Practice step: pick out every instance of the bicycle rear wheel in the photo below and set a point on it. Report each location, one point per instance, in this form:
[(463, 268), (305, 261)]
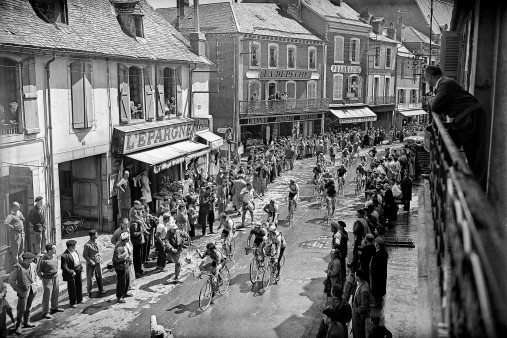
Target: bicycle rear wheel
[(205, 296), (232, 249), (274, 271), (225, 278), (266, 276), (254, 269)]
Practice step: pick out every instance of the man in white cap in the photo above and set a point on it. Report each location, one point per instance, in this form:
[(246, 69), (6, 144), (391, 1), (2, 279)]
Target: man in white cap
[(174, 246), (122, 259), (15, 223)]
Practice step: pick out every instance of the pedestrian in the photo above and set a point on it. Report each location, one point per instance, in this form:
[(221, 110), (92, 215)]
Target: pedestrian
[(160, 242), (37, 222), (91, 254), (71, 273), (206, 210), (14, 222), (343, 247), (238, 186), (124, 227), (378, 273), (147, 230), (334, 329), (174, 247), (360, 229), (468, 126), (23, 279), (247, 202), (343, 312), (367, 250), (47, 270), (360, 305), (137, 238), (5, 310), (124, 194), (192, 216), (122, 259), (377, 330), (406, 190), (334, 270)]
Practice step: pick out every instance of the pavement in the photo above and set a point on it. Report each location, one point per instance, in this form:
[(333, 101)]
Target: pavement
[(291, 308)]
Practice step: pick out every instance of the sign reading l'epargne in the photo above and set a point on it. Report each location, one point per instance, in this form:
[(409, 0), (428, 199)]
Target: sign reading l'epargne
[(285, 74)]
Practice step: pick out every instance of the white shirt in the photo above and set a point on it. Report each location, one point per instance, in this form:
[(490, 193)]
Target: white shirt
[(247, 195), (161, 231), (75, 257)]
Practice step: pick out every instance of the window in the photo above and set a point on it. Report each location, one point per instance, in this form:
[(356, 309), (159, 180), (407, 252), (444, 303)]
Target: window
[(254, 88), (169, 83), (312, 58), (338, 49), (131, 23), (290, 89), (54, 11), (387, 88), (255, 48), (376, 59), (136, 93), (271, 90), (273, 56), (413, 96), (354, 87), (337, 86), (354, 50), (401, 95), (388, 57), (311, 90), (138, 26), (81, 94), (291, 57)]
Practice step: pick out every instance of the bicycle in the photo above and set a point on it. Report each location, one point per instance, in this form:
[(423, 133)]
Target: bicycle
[(256, 265), (325, 219), (271, 272), (341, 186), (212, 286), (290, 216), (359, 185), (229, 248)]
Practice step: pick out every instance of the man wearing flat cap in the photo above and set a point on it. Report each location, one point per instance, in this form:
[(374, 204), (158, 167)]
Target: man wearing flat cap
[(91, 254), (122, 260), (334, 329), (23, 279), (71, 273), (15, 223), (37, 221)]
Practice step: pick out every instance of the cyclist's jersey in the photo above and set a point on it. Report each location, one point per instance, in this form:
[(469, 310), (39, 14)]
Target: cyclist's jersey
[(341, 171), (293, 190), (259, 233), (360, 170), (278, 240), (215, 255), (271, 209), (345, 152), (229, 225)]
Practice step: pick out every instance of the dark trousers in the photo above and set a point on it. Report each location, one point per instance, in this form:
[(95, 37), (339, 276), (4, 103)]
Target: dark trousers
[(192, 230), (75, 288), (123, 283), (24, 306), (138, 258), (146, 248), (161, 255)]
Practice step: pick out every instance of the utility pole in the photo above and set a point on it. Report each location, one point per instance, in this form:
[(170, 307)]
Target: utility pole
[(431, 30)]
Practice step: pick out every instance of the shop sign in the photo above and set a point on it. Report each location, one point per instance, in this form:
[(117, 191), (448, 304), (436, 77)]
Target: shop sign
[(201, 123), (20, 176), (346, 69), (285, 74), (358, 120), (284, 119), (257, 120), (309, 117)]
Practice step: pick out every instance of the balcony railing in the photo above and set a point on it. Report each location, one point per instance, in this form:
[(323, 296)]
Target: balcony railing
[(9, 129), (270, 107), (470, 244), (410, 105), (381, 100)]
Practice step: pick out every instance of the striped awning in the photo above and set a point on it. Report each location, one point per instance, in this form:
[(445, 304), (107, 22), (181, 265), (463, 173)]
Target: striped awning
[(354, 115)]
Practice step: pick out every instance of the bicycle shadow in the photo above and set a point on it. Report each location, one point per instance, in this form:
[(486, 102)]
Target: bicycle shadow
[(192, 308)]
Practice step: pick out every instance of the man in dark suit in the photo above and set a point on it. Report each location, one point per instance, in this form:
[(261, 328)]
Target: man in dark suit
[(378, 273), (334, 329), (71, 273), (468, 127), (360, 305)]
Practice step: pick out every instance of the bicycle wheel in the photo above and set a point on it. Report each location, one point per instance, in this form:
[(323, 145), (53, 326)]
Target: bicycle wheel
[(274, 271), (254, 269), (232, 249), (205, 296), (282, 263), (266, 277), (225, 279)]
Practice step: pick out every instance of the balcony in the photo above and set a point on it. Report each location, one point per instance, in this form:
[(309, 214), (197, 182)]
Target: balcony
[(272, 107), (469, 242), (9, 129), (410, 105), (381, 100)]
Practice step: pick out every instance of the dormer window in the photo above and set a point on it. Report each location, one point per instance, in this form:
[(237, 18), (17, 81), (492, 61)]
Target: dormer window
[(54, 11), (130, 17), (138, 24)]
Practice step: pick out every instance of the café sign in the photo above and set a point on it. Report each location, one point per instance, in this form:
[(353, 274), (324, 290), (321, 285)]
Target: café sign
[(346, 69), (285, 74), (128, 140)]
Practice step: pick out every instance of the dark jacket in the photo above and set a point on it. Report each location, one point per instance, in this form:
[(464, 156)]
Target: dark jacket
[(22, 278), (378, 272), (367, 253), (361, 301), (36, 219), (451, 99), (68, 265), (406, 189), (335, 330), (334, 272), (380, 332), (136, 234)]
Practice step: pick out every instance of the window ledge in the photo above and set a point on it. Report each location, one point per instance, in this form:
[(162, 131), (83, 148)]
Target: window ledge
[(11, 138)]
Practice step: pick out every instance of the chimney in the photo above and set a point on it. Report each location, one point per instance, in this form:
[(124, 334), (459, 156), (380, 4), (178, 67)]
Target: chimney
[(391, 31), (365, 16), (377, 24), (180, 5), (197, 39), (336, 2)]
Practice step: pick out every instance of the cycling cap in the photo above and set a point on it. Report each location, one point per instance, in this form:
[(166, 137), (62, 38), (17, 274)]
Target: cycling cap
[(210, 246), (272, 228)]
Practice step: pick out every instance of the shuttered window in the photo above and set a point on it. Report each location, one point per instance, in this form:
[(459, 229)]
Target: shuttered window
[(311, 90), (337, 86), (124, 93), (449, 54), (149, 90), (81, 94), (354, 50), (338, 48), (30, 109)]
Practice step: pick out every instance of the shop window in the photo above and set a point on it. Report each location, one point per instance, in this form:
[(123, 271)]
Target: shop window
[(338, 48), (312, 58), (337, 86), (81, 94), (353, 87), (273, 55), (354, 50), (388, 57), (54, 11), (136, 93), (291, 57), (311, 90), (255, 49)]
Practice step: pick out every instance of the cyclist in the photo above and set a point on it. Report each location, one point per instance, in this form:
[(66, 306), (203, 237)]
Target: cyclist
[(276, 245), (272, 210), (293, 193), (260, 234), (228, 232), (217, 262), (330, 189), (345, 155), (360, 173), (317, 171), (341, 172)]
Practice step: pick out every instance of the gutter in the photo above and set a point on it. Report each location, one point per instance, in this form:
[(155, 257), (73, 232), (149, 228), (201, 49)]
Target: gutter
[(48, 135)]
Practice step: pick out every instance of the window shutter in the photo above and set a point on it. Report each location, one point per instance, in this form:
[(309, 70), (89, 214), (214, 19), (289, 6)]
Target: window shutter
[(88, 92), (351, 49), (77, 95), (31, 114), (338, 48), (124, 93), (148, 93), (449, 54), (160, 92), (358, 50), (179, 96), (337, 86)]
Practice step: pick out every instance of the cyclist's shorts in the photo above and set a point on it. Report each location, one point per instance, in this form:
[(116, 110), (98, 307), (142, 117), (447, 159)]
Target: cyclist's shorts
[(258, 241), (292, 195), (225, 234)]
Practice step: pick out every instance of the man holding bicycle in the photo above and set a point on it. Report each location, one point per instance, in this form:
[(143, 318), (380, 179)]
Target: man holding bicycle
[(228, 232), (272, 210)]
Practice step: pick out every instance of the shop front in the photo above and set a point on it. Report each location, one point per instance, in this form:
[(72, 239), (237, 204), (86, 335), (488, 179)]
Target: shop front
[(163, 151), (407, 117), (350, 118)]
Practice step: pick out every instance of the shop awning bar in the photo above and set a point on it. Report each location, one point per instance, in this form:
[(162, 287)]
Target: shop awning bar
[(355, 115), (415, 112), (213, 140)]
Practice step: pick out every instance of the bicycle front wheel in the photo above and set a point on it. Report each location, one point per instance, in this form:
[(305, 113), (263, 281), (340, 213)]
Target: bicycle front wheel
[(266, 277), (205, 296), (232, 249), (225, 278), (274, 271), (254, 269)]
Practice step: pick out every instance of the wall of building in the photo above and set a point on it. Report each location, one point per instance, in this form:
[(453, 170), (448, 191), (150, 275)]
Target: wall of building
[(201, 83)]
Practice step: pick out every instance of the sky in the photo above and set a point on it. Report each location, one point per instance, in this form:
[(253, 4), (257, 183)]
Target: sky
[(172, 3)]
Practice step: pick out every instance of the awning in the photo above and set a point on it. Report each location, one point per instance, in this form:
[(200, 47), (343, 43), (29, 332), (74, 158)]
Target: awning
[(213, 140), (415, 112), (164, 157), (354, 115)]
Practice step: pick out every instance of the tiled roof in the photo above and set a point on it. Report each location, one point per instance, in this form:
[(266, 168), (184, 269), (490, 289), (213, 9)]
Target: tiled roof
[(404, 51), (380, 37), (410, 34), (93, 28), (442, 13), (331, 12)]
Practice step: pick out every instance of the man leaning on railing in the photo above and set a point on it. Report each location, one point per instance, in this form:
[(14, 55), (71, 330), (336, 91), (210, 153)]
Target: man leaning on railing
[(468, 120)]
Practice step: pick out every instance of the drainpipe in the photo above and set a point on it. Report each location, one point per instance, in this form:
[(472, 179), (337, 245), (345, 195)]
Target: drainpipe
[(48, 135), (191, 91)]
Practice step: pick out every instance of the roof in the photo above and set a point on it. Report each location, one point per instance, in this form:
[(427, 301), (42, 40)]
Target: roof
[(248, 18), (442, 13), (93, 28), (331, 12), (410, 34), (404, 51), (380, 37)]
